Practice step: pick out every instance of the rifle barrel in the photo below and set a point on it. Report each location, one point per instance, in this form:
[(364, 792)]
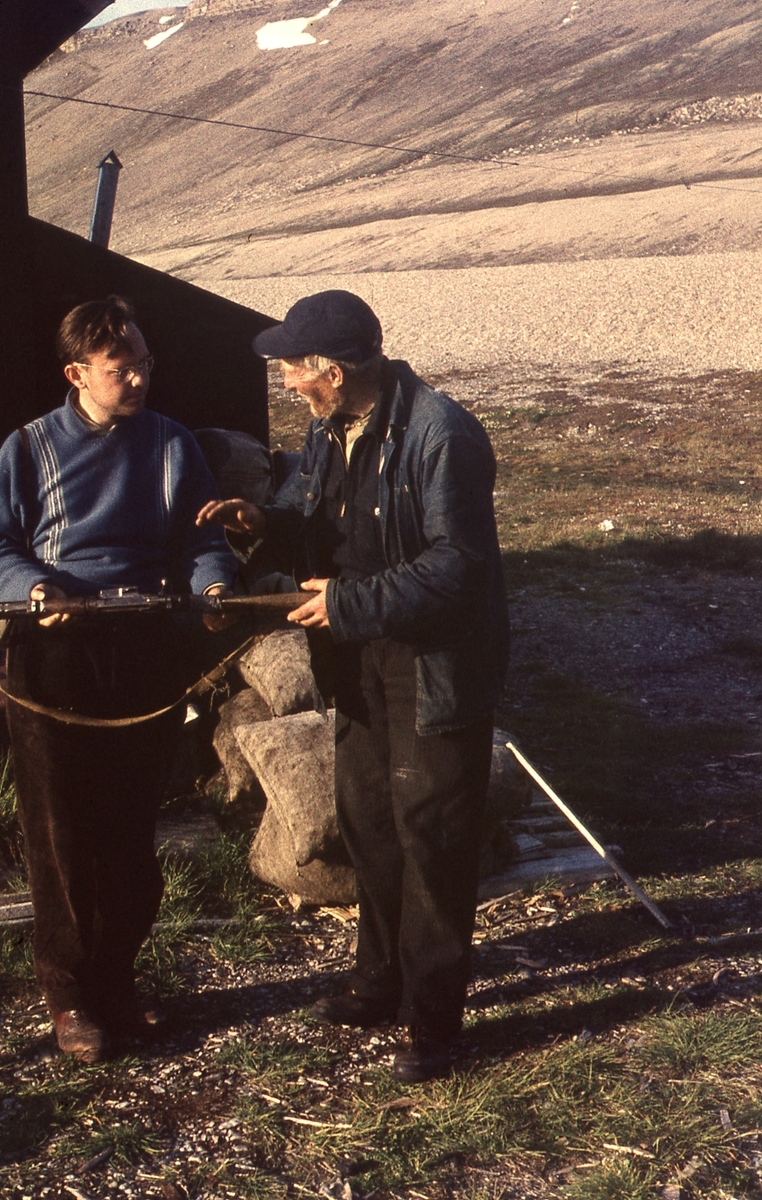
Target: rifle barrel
[(136, 602)]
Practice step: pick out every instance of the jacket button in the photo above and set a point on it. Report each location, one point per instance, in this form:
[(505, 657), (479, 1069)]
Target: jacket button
[(376, 512), (310, 495)]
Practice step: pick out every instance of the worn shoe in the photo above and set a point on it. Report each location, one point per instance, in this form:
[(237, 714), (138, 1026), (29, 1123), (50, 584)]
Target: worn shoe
[(350, 1008), (81, 1036), (424, 1057)]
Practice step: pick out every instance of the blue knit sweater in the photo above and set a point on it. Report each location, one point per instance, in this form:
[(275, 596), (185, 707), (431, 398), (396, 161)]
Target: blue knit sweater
[(94, 510)]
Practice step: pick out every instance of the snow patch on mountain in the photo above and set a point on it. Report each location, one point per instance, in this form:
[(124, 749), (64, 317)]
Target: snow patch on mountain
[(152, 42), (281, 35)]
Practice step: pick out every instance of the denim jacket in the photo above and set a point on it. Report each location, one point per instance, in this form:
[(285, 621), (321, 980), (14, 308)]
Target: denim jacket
[(443, 589)]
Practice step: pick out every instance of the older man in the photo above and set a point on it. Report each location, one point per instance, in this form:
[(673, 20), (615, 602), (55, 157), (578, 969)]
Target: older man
[(99, 493), (390, 519)]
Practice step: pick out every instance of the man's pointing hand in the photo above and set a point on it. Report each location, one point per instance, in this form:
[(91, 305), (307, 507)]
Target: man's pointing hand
[(239, 516)]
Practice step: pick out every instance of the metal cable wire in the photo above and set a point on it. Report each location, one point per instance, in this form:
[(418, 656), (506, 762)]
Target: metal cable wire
[(416, 151)]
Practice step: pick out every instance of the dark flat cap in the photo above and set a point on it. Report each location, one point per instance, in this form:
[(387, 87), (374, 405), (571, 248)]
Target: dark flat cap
[(334, 324)]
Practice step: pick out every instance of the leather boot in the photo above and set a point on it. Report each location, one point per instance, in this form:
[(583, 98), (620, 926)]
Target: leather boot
[(81, 1036), (424, 1057), (362, 1012)]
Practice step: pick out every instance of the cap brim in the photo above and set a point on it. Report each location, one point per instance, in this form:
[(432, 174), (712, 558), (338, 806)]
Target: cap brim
[(273, 343)]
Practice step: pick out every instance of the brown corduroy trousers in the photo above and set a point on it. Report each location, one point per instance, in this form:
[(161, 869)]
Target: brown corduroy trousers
[(88, 797)]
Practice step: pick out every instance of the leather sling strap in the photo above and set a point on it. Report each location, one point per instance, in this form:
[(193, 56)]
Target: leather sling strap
[(207, 683)]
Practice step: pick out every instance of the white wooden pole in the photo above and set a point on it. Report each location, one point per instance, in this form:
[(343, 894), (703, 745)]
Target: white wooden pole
[(626, 878)]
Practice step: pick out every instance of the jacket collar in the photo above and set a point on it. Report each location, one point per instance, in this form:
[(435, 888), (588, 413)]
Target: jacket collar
[(402, 401)]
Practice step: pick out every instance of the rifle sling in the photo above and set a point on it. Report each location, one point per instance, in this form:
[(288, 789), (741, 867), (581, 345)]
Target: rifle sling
[(208, 682)]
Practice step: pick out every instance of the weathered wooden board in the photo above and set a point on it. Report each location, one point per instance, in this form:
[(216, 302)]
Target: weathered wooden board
[(548, 848), (16, 911)]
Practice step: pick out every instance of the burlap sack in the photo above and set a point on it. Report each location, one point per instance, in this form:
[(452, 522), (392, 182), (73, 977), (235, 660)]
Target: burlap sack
[(298, 846), (241, 465), (279, 668)]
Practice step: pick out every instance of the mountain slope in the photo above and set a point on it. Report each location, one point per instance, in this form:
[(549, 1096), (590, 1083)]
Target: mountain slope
[(579, 103)]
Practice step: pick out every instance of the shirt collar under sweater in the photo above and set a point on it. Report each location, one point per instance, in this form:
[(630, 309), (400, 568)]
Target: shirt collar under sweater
[(72, 400)]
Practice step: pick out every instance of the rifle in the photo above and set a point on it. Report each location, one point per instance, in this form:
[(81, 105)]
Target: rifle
[(130, 600)]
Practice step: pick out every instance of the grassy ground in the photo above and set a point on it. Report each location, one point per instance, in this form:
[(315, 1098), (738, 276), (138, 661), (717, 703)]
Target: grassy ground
[(603, 1059)]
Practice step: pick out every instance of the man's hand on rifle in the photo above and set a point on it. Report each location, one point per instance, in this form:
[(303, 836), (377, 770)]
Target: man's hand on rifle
[(313, 614), (236, 515), (50, 591)]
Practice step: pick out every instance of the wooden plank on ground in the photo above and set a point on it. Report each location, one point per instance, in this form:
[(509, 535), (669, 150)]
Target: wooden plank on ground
[(580, 865), (16, 911), (547, 847)]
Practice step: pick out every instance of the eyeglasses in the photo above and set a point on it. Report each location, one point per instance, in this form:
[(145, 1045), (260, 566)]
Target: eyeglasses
[(125, 374)]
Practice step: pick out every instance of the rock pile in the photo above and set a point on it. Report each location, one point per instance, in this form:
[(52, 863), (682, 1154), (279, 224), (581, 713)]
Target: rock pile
[(277, 752), (716, 108)]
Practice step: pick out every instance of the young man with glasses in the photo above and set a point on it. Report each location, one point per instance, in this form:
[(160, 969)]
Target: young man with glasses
[(100, 493)]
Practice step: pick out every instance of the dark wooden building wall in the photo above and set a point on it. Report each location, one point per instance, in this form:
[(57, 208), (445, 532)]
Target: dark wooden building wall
[(206, 372)]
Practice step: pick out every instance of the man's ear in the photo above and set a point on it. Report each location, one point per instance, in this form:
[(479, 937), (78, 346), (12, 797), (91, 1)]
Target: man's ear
[(336, 375), (75, 375)]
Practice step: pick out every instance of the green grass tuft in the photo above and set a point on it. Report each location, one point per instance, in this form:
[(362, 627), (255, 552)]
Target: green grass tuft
[(617, 1181), (128, 1141)]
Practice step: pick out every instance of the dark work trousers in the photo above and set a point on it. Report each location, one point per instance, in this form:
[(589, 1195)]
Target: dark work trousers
[(410, 810), (88, 797)]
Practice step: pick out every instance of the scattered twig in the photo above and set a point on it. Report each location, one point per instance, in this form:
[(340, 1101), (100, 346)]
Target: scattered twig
[(401, 1102), (75, 1192), (734, 935), (628, 1150), (585, 1166), (268, 1098), (318, 1124), (496, 900), (98, 1161), (341, 914)]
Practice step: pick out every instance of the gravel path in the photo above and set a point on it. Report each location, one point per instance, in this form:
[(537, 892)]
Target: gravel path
[(681, 315)]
